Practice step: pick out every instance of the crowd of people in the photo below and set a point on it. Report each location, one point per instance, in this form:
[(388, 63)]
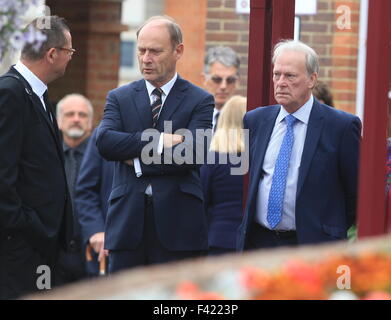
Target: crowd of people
[(73, 198)]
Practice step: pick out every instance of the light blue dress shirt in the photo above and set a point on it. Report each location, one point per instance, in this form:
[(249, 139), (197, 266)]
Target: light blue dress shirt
[(288, 221)]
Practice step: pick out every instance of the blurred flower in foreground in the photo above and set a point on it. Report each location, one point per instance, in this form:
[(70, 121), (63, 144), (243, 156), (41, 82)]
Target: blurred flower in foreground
[(12, 32)]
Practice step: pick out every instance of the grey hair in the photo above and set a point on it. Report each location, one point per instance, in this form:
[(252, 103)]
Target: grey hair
[(311, 58), (173, 29), (60, 104), (225, 55), (55, 37)]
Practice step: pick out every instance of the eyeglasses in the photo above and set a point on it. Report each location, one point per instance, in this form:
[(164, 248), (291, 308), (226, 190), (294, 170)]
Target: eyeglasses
[(70, 50), (229, 80)]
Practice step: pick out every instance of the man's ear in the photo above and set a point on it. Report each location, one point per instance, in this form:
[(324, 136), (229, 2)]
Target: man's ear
[(179, 50), (203, 77), (313, 80), (51, 55)]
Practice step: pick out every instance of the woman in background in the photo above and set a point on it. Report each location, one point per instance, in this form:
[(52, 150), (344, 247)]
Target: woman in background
[(223, 191)]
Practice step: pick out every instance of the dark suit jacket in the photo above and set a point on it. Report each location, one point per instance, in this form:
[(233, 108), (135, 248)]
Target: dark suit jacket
[(34, 198), (177, 194), (223, 193), (92, 190), (327, 183)]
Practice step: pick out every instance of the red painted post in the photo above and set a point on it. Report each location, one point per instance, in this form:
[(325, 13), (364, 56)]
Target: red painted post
[(258, 77), (283, 13), (371, 196)]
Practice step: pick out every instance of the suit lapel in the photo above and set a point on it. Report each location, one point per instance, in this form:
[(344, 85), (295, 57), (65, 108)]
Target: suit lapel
[(172, 101), (143, 104), (37, 104), (265, 130), (315, 126)]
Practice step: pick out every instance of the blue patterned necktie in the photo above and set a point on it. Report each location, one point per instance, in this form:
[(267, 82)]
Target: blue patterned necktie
[(277, 190)]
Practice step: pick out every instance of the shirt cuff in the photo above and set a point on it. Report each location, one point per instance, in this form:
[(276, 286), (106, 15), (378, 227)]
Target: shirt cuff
[(137, 167)]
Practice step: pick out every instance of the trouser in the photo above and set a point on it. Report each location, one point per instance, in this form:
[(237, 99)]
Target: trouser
[(150, 250)]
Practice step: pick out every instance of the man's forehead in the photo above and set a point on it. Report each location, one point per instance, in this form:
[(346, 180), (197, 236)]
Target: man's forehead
[(218, 68)]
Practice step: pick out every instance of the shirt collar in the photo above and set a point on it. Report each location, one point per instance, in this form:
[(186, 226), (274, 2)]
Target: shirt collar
[(302, 114), (79, 148), (166, 88), (36, 84)]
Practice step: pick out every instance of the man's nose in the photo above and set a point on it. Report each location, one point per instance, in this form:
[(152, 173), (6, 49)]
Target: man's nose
[(223, 84), (281, 82), (146, 57)]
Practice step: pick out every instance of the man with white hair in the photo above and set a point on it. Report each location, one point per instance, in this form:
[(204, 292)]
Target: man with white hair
[(303, 160), (74, 117)]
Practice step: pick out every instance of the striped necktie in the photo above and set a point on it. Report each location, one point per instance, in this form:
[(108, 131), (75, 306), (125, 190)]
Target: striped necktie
[(156, 106)]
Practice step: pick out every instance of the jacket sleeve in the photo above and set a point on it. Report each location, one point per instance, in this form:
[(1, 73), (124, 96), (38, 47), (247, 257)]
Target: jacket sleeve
[(349, 159), (113, 143), (191, 153), (88, 200)]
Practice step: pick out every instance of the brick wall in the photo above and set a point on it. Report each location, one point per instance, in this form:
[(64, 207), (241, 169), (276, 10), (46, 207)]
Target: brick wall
[(95, 28), (225, 27), (337, 49), (193, 30)]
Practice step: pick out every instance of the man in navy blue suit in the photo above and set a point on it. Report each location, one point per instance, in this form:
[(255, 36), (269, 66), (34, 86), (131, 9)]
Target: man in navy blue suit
[(303, 160), (155, 209)]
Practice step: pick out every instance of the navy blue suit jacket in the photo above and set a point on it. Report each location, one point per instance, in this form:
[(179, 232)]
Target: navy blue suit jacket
[(327, 183), (223, 194), (92, 190), (177, 195)]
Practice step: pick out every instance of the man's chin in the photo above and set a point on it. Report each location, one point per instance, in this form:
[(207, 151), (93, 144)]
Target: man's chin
[(75, 133)]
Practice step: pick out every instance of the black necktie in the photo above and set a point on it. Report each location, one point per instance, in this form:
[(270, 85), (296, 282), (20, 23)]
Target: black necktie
[(216, 120), (47, 105), (156, 106)]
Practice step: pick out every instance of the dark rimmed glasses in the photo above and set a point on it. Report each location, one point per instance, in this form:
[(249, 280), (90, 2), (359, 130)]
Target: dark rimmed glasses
[(229, 80)]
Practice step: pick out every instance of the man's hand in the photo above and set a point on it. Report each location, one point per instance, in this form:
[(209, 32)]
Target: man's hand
[(97, 241), (129, 162), (170, 140)]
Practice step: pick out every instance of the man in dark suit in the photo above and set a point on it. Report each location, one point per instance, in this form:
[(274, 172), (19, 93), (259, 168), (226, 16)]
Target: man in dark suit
[(74, 117), (303, 160), (156, 210), (35, 209)]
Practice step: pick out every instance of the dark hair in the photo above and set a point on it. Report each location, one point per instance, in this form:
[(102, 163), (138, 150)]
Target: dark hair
[(54, 33), (173, 29), (321, 91)]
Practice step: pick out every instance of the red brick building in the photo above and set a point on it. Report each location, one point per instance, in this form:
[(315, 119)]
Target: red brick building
[(96, 27)]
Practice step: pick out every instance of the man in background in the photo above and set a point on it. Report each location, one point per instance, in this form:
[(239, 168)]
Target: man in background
[(74, 116), (221, 76)]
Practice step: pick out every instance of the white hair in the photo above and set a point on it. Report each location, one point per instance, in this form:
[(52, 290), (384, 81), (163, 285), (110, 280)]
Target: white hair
[(60, 104), (311, 58)]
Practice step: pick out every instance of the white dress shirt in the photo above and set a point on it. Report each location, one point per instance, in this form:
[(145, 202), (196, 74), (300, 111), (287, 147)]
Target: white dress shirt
[(165, 91), (36, 84), (288, 221)]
